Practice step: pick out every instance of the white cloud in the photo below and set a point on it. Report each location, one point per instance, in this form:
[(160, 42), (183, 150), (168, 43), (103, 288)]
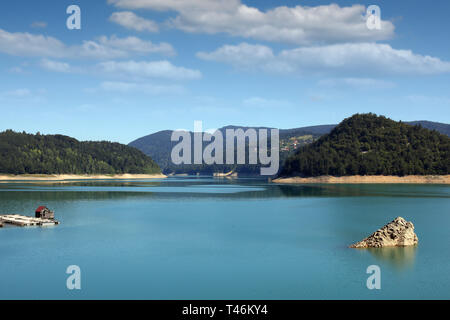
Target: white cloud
[(265, 103), (23, 95), (351, 59), (27, 44), (428, 100), (131, 70), (18, 93), (243, 55), (56, 66), (146, 88), (17, 70), (177, 5), (136, 45), (154, 69), (365, 57), (357, 83), (297, 25), (248, 57), (130, 20)]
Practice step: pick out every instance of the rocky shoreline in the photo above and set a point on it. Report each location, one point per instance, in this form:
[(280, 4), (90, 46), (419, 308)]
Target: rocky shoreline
[(398, 233), (444, 179), (65, 177)]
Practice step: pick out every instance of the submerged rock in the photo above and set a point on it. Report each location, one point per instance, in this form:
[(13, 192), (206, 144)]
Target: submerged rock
[(398, 233)]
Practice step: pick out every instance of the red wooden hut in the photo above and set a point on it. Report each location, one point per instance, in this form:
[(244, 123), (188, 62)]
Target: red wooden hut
[(44, 213)]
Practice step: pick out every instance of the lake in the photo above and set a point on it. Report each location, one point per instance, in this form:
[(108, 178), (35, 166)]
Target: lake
[(205, 238)]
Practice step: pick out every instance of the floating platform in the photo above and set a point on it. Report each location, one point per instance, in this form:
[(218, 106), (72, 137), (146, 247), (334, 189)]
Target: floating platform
[(24, 221), (230, 174)]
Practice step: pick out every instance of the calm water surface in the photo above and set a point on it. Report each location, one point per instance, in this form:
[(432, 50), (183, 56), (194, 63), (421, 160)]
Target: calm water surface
[(204, 238)]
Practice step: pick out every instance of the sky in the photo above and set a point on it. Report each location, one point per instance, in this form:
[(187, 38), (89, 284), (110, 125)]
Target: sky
[(140, 66)]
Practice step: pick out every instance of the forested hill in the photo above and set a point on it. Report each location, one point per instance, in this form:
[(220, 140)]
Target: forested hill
[(22, 153), (366, 144), (159, 146)]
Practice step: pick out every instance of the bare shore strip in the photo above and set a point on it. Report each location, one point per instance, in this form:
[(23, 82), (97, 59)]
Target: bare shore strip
[(66, 177), (444, 179)]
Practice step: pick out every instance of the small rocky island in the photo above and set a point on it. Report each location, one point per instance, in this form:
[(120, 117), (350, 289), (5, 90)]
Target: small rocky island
[(398, 233)]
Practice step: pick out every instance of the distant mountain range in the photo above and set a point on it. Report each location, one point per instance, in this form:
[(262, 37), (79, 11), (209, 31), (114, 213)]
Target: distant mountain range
[(439, 127), (364, 144), (159, 146)]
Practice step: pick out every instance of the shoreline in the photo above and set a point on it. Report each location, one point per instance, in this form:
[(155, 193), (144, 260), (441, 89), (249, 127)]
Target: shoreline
[(66, 177), (444, 179)]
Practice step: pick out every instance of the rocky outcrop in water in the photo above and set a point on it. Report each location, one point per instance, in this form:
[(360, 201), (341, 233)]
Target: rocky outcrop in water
[(398, 233)]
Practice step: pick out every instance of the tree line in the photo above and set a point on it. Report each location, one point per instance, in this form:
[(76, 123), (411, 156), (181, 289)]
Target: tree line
[(22, 153), (367, 144)]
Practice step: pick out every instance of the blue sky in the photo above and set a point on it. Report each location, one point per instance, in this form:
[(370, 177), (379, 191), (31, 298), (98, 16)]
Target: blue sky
[(140, 66)]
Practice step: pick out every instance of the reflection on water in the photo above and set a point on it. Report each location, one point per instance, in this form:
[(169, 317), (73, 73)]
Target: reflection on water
[(205, 238), (398, 257)]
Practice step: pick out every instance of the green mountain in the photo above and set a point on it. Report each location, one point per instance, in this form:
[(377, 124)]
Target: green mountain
[(366, 144), (439, 127), (22, 153), (158, 146)]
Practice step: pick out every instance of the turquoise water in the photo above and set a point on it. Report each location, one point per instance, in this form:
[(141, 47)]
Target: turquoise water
[(204, 238)]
